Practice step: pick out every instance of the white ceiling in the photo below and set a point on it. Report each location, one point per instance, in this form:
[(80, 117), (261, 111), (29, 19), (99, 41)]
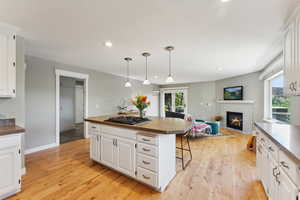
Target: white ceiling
[(207, 34)]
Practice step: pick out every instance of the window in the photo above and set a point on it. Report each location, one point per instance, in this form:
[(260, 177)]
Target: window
[(278, 105)]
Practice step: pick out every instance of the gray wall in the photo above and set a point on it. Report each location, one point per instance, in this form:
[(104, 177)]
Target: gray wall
[(253, 90), (202, 96), (15, 107), (105, 90)]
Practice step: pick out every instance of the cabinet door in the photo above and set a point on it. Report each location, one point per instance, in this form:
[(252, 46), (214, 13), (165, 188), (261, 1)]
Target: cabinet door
[(273, 182), (126, 156), (3, 64), (107, 150), (265, 170), (10, 166), (287, 190), (95, 147), (7, 65)]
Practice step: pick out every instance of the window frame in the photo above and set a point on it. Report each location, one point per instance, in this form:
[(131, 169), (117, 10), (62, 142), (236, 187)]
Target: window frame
[(268, 94)]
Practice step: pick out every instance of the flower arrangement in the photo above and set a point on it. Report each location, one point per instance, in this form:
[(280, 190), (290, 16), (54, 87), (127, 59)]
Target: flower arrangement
[(141, 102)]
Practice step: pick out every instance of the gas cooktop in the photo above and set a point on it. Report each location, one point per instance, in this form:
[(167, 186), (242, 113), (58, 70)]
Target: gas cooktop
[(128, 120)]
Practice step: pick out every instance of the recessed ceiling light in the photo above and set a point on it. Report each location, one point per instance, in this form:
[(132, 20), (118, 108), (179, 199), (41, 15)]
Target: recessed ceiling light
[(224, 1), (108, 43)]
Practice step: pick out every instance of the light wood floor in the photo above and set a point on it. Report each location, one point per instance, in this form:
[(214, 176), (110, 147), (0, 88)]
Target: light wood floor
[(222, 168)]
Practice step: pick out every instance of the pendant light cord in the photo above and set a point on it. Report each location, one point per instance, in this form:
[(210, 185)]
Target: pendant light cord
[(127, 71), (146, 67), (169, 63)]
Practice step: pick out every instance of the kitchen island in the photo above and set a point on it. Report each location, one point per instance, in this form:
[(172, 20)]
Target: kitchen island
[(145, 151)]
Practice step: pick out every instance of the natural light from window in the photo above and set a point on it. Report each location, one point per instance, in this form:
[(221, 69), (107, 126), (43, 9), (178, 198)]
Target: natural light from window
[(280, 103)]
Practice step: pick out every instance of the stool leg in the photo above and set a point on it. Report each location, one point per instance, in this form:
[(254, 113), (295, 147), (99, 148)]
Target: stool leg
[(182, 161), (188, 142)]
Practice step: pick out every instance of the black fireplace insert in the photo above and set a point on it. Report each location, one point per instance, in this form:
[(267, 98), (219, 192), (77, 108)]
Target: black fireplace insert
[(235, 120)]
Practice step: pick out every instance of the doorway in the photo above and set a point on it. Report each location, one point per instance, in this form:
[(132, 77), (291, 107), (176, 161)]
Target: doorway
[(173, 101), (71, 106), (71, 109)]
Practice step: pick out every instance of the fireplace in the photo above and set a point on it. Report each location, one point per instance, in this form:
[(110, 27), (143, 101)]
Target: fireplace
[(235, 120)]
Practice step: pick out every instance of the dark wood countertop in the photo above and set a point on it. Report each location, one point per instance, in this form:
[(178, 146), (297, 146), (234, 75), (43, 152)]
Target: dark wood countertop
[(7, 130), (286, 136), (156, 125)]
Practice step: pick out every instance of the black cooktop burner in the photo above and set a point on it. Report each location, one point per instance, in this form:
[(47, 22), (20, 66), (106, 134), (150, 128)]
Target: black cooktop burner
[(128, 120)]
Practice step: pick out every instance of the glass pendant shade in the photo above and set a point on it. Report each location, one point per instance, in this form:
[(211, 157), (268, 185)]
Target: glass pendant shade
[(169, 79), (127, 84), (146, 82)]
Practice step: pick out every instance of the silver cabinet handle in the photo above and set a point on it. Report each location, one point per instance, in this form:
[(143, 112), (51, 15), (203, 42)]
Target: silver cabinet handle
[(146, 163), (274, 171), (146, 177), (276, 177), (144, 149), (116, 142), (271, 149), (284, 164), (146, 140), (94, 127)]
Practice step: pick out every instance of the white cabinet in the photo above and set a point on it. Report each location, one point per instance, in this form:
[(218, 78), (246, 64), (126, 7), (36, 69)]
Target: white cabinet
[(119, 149), (291, 51), (126, 156), (276, 171), (286, 188), (10, 165), (95, 145), (108, 150), (7, 64)]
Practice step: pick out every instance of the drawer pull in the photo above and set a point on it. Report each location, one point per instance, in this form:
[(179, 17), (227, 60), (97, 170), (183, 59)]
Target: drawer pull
[(94, 127), (146, 140), (274, 171), (271, 149), (146, 177), (146, 163), (262, 139), (144, 149), (284, 165)]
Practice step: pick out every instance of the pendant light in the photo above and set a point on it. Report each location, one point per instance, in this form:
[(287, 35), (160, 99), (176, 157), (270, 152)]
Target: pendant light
[(170, 78), (146, 55), (127, 84)]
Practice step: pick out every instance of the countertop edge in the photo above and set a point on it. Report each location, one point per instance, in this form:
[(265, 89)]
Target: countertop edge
[(14, 130), (282, 147), (177, 132)]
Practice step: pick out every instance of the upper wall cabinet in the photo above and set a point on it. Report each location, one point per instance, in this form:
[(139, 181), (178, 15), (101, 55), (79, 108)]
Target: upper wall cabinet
[(292, 56), (7, 63)]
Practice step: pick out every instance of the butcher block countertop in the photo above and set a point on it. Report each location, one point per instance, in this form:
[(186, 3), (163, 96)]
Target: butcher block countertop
[(156, 124), (286, 136), (6, 130)]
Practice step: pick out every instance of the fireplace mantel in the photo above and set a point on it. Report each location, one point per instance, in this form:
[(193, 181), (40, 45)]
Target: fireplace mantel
[(236, 101)]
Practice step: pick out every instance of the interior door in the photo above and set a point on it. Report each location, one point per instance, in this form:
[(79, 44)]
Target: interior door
[(79, 104), (107, 150), (126, 156), (10, 166)]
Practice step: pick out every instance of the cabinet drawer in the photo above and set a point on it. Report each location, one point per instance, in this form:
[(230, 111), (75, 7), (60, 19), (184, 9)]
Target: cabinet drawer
[(290, 167), (120, 132), (147, 162), (93, 127), (147, 177), (147, 149), (147, 138)]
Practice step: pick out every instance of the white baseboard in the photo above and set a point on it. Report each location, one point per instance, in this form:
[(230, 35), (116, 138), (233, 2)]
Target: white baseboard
[(23, 171), (40, 148)]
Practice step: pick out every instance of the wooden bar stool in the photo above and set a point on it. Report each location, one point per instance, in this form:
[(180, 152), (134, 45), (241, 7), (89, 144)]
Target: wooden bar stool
[(186, 135)]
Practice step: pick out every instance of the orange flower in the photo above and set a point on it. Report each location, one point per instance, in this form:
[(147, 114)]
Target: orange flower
[(144, 98)]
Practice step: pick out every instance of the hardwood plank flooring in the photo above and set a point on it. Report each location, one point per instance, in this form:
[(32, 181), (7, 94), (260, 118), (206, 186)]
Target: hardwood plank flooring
[(222, 169)]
